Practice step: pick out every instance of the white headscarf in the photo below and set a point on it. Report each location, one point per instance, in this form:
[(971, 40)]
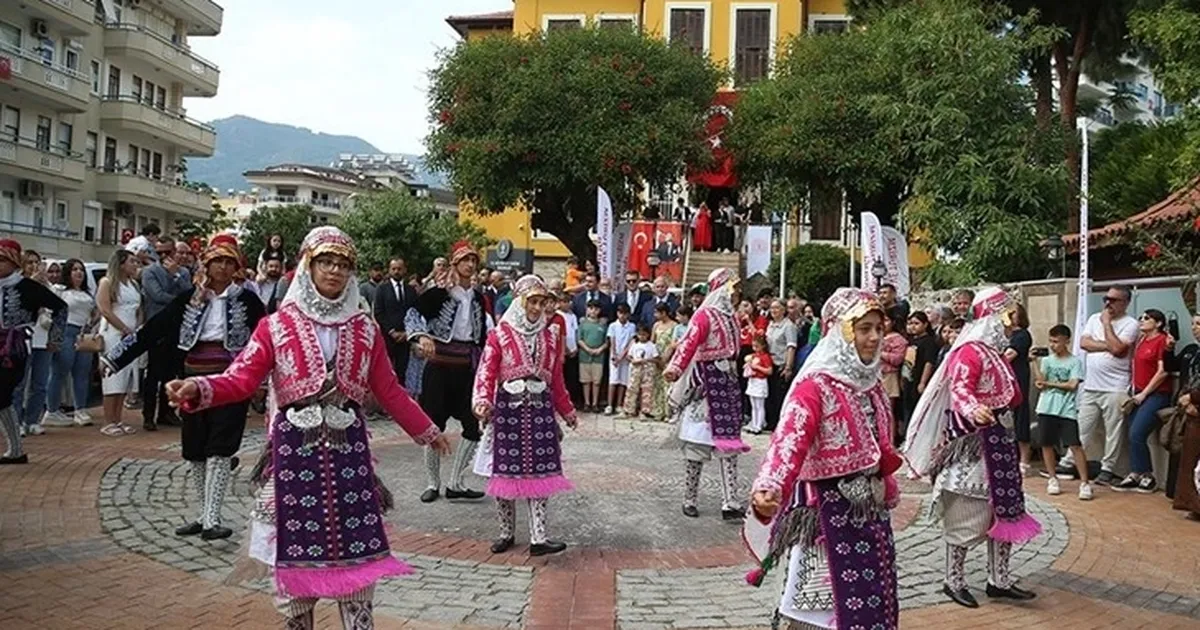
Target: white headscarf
[(927, 429), (515, 317), (721, 284), (835, 354), (304, 294)]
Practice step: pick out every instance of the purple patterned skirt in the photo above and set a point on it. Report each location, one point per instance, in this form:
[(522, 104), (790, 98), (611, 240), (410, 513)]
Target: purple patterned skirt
[(330, 536), (526, 457)]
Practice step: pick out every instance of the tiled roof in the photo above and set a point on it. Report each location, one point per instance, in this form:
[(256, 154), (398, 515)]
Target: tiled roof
[(1179, 206), (460, 23)]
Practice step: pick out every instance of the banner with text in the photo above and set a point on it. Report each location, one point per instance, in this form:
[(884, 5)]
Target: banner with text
[(872, 249), (604, 234), (622, 240), (757, 249), (895, 256)]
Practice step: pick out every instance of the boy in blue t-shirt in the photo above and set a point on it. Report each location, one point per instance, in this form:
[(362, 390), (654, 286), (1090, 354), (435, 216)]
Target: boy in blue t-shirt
[(1058, 378)]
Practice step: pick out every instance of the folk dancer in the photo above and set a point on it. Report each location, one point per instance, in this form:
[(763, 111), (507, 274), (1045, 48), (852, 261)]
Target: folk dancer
[(204, 328), (317, 521), (961, 435), (448, 324), (822, 497), (21, 301), (519, 389), (706, 394)]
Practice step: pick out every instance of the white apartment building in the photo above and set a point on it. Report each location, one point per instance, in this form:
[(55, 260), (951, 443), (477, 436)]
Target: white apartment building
[(329, 191), (1141, 99), (93, 130)]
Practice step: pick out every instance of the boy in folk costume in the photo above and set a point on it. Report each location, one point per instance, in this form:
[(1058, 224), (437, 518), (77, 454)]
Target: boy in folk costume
[(317, 521), (706, 392), (449, 327), (519, 389), (21, 299), (961, 435), (822, 497), (209, 324)]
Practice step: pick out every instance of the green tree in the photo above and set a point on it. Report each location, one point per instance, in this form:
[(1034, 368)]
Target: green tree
[(216, 222), (544, 119), (1169, 32), (920, 115), (291, 222), (814, 271), (1134, 167), (394, 223)]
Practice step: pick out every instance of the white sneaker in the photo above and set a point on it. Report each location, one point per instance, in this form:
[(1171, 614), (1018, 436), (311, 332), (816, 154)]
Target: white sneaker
[(1085, 492), (83, 419), (1053, 488), (22, 430), (1024, 470), (608, 411), (56, 419), (36, 429)]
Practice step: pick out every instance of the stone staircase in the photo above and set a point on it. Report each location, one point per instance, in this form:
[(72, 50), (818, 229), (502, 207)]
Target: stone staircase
[(700, 264)]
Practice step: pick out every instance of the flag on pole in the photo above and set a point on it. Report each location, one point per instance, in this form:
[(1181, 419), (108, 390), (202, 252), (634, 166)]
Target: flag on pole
[(604, 232)]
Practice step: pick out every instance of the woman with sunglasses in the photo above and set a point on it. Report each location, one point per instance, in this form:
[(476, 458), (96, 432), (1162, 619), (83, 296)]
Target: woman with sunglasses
[(1151, 392)]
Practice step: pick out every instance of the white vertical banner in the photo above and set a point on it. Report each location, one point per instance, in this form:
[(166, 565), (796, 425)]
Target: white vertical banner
[(621, 243), (1081, 305), (757, 249), (604, 234), (872, 248), (895, 256)]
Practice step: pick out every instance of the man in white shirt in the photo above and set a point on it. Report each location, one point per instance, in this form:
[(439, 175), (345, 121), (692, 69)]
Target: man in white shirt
[(1108, 340)]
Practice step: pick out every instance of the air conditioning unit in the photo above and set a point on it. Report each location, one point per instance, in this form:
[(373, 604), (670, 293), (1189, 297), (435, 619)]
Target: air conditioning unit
[(31, 189), (124, 209), (40, 29)]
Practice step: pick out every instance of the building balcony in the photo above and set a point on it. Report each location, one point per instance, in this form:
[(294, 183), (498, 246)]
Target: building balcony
[(327, 206), (138, 189), (72, 17), (129, 113), (24, 159), (203, 17), (199, 76), (53, 86)]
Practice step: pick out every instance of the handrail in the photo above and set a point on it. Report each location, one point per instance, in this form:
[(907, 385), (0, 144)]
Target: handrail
[(126, 170), (31, 143), (125, 26), (30, 55), (36, 229), (291, 199), (129, 98)]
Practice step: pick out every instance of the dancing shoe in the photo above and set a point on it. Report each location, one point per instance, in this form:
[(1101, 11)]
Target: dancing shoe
[(234, 462), (216, 532), (500, 545), (733, 514), (546, 548), (430, 495), (1012, 592), (191, 529), (20, 459), (463, 493), (690, 511), (962, 597)]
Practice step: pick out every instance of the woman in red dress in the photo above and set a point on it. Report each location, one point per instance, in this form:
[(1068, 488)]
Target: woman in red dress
[(703, 232)]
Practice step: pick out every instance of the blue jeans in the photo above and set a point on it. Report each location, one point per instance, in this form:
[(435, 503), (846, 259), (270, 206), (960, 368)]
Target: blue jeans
[(1142, 424), (30, 400), (69, 363)]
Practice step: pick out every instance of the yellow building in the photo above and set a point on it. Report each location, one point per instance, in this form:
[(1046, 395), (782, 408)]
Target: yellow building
[(744, 35)]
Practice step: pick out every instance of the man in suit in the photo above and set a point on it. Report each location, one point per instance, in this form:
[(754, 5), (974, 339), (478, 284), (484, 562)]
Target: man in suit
[(393, 298), (662, 295), (633, 296), (591, 292), (668, 252)]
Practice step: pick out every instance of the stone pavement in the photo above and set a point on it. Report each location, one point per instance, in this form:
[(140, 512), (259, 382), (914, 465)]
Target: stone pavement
[(85, 542)]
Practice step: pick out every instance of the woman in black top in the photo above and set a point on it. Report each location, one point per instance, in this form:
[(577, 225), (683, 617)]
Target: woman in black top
[(923, 347), (1017, 354)]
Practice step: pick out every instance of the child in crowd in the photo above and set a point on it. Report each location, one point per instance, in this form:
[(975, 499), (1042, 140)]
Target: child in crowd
[(1057, 377), (758, 368), (643, 371), (683, 317), (949, 336), (593, 344), (620, 338)]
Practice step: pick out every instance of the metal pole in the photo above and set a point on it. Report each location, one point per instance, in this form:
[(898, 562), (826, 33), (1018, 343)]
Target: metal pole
[(783, 238)]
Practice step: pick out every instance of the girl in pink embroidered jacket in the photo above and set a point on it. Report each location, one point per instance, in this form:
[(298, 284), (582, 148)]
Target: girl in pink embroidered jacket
[(318, 520), (822, 497), (518, 391)]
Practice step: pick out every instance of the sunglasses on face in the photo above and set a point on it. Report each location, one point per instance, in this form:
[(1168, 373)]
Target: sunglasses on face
[(1110, 300)]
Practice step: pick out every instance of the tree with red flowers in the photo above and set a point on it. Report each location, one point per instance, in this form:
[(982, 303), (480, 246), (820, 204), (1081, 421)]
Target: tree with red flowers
[(543, 120), (1170, 247)]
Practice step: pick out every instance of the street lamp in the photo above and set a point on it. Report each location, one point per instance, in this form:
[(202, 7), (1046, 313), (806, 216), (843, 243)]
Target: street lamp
[(878, 271), (1056, 252)]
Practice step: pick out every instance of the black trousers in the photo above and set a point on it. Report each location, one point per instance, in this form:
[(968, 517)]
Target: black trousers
[(445, 393), (12, 373), (162, 367), (399, 354), (571, 376), (215, 432), (776, 390)]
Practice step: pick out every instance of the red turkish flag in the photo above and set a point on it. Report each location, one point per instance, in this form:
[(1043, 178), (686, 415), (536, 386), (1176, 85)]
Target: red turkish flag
[(5, 68)]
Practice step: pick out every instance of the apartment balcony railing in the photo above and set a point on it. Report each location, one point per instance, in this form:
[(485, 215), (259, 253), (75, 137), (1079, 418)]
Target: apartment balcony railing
[(290, 200), (29, 159), (55, 86), (198, 74), (115, 184), (38, 229), (203, 17), (139, 115), (72, 17)]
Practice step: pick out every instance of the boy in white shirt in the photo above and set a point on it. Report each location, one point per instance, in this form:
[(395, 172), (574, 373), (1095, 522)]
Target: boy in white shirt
[(620, 338), (643, 373)]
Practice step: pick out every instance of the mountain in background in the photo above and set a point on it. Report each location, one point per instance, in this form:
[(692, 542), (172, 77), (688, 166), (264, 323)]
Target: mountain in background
[(245, 144)]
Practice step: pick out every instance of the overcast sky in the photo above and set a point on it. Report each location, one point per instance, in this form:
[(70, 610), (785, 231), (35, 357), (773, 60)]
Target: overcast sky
[(353, 67)]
